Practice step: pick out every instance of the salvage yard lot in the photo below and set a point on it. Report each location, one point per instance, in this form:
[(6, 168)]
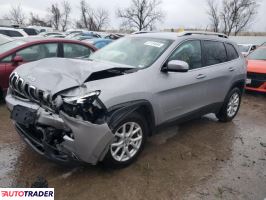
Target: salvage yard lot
[(201, 159)]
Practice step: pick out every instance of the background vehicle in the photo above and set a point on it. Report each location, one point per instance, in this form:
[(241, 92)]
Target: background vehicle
[(83, 35), (17, 52), (256, 76), (4, 39), (12, 32), (104, 108), (52, 34), (30, 31), (246, 49), (99, 42)]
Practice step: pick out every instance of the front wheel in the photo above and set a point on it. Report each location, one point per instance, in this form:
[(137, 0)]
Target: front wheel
[(231, 106), (130, 136)]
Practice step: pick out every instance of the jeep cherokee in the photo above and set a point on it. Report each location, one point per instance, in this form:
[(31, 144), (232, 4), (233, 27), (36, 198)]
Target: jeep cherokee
[(102, 109)]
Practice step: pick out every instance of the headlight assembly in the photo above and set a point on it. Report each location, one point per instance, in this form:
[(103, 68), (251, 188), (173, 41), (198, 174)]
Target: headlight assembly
[(89, 107)]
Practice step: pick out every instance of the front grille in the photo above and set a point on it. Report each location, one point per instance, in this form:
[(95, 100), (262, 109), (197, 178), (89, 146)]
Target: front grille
[(257, 79), (25, 90), (256, 76)]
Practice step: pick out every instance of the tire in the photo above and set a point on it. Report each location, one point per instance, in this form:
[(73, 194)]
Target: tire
[(230, 106), (123, 142)]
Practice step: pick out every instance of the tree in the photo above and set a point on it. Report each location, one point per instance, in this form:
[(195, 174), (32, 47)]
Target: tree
[(93, 20), (55, 15), (16, 15), (65, 15), (213, 14), (234, 16), (142, 14), (37, 21)]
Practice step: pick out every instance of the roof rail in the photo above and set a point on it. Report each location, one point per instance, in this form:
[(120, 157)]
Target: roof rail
[(184, 33)]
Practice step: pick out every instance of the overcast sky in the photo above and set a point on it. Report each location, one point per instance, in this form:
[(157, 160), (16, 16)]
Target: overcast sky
[(179, 13)]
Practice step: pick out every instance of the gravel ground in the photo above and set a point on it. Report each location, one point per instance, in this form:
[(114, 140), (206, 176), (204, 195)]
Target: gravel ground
[(201, 159)]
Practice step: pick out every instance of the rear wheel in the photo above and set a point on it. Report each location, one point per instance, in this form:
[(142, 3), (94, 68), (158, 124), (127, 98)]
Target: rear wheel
[(231, 106), (130, 136)]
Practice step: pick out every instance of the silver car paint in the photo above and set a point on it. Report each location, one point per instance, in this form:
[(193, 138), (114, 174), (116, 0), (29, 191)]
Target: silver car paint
[(170, 94)]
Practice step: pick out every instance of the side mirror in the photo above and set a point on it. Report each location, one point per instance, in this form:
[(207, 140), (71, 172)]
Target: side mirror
[(17, 59), (175, 66)]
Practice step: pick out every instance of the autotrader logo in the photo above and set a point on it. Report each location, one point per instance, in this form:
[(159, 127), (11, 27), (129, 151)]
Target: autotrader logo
[(27, 193)]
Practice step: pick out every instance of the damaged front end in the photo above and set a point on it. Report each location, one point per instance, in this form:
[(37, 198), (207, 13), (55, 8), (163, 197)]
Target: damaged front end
[(62, 128)]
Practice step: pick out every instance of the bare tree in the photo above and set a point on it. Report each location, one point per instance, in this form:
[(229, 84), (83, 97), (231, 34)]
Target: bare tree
[(37, 21), (101, 18), (234, 16), (142, 14), (65, 15), (55, 15), (213, 13), (16, 15), (91, 19)]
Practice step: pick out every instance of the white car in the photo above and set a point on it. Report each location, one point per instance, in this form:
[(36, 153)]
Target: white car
[(13, 32), (246, 49), (4, 39)]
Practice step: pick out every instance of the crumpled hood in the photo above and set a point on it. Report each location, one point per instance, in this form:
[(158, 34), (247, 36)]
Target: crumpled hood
[(57, 74), (257, 66)]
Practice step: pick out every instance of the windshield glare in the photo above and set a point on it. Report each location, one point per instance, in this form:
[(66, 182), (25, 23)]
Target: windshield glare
[(138, 52), (259, 54), (10, 45)]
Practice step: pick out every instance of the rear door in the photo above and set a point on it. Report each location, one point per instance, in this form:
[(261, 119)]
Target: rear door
[(218, 69), (5, 68)]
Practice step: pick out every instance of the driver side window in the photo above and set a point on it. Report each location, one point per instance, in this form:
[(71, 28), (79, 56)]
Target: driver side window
[(189, 52)]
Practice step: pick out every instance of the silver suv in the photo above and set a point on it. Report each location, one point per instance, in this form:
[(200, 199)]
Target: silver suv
[(103, 109)]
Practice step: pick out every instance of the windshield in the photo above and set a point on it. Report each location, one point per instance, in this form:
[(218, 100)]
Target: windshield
[(10, 45), (244, 48), (138, 52), (259, 54)]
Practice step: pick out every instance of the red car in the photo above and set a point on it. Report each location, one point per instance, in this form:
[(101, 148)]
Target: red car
[(256, 76), (17, 52)]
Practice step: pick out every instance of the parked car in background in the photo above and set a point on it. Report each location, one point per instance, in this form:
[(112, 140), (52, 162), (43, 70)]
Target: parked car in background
[(73, 31), (52, 34), (114, 36), (104, 108), (246, 49), (30, 31), (256, 76), (4, 39), (17, 52), (99, 42), (83, 35), (13, 32)]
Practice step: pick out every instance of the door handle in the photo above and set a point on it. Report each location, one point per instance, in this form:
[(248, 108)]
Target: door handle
[(200, 76), (231, 69)]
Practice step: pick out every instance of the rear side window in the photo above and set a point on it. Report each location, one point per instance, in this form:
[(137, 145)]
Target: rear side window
[(231, 52), (76, 51), (14, 33), (214, 52)]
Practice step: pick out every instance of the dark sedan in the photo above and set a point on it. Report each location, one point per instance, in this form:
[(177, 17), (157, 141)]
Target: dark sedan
[(17, 52)]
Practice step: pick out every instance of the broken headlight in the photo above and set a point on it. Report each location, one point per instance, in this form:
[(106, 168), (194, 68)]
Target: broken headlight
[(88, 107)]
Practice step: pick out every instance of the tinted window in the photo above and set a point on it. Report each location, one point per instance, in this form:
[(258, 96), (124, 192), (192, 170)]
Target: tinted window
[(30, 31), (231, 52), (3, 32), (76, 51), (214, 52), (189, 52), (14, 33), (37, 52)]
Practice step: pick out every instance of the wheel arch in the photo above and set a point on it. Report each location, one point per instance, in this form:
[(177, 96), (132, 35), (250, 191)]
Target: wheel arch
[(117, 113)]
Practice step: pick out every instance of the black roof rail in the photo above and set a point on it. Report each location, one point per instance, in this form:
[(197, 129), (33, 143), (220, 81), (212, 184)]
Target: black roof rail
[(184, 33)]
